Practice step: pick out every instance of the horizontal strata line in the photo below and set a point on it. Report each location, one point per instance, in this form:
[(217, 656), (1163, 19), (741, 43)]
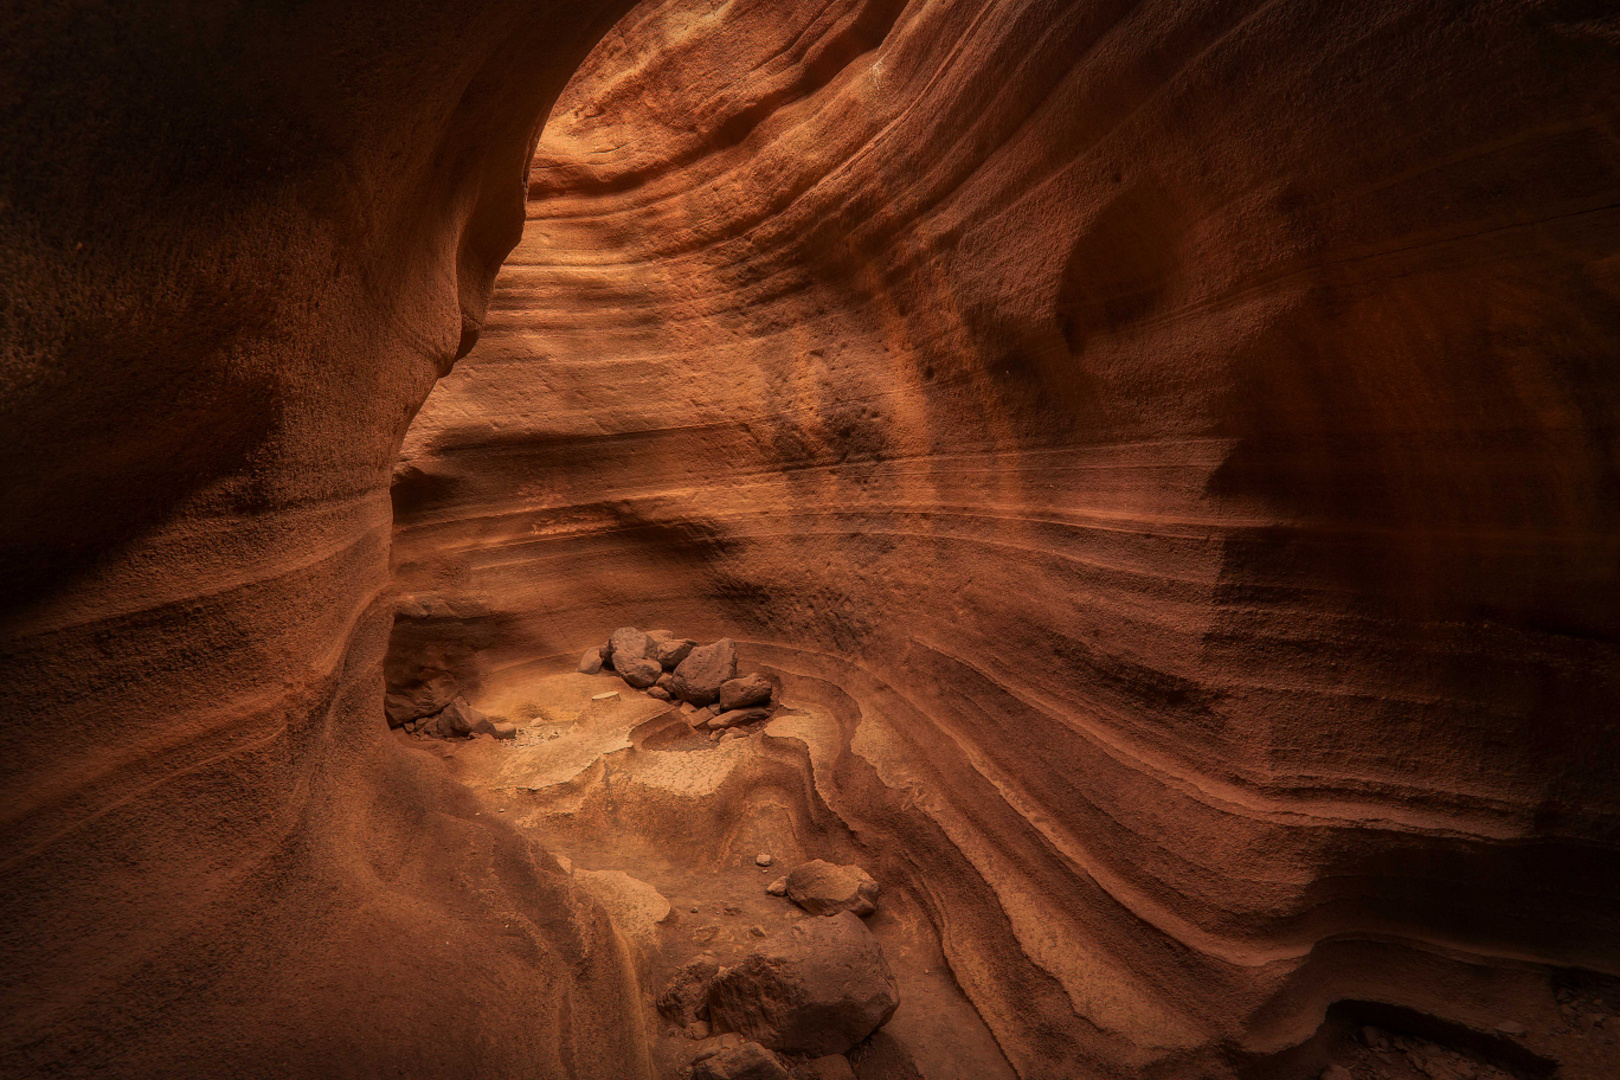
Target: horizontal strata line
[(1247, 801), (225, 720)]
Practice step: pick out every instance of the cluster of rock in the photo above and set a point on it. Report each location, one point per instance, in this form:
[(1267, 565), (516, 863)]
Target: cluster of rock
[(798, 1000), (422, 712), (703, 677)]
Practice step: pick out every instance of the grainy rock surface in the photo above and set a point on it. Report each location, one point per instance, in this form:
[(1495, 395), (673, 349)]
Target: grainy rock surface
[(1179, 436), (238, 244), (750, 1061), (706, 668), (818, 987), (745, 691), (823, 888)]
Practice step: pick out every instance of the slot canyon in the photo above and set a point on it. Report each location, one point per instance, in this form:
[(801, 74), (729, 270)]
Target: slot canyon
[(740, 539)]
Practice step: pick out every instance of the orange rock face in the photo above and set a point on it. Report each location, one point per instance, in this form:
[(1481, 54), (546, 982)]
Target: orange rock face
[(240, 242), (1181, 436)]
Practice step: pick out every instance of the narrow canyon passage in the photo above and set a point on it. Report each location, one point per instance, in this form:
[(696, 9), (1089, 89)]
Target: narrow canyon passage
[(1161, 456)]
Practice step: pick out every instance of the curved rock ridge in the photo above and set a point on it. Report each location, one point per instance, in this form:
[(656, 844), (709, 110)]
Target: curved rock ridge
[(1182, 433), (240, 242)]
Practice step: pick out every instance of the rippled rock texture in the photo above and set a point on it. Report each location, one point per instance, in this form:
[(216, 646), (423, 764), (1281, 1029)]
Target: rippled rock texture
[(240, 242), (1181, 435)]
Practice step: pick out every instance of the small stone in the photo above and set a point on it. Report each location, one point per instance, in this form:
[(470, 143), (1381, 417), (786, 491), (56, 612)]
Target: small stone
[(748, 690), (697, 1029), (591, 662), (687, 708), (734, 733), (777, 887), (505, 731), (698, 677), (611, 695), (750, 1061), (705, 934), (667, 681), (824, 888), (658, 692), (1510, 1027), (757, 930), (763, 859), (639, 673)]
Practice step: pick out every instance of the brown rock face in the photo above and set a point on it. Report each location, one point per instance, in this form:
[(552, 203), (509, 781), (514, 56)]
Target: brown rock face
[(818, 987), (1178, 439), (238, 244)]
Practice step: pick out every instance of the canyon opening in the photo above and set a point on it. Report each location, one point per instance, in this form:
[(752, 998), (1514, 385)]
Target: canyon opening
[(748, 540)]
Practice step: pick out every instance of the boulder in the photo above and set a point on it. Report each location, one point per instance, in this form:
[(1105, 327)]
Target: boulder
[(639, 673), (817, 988), (628, 643), (750, 1061), (591, 662), (698, 678), (745, 691), (685, 1000), (831, 1067), (670, 650), (824, 888), (736, 717)]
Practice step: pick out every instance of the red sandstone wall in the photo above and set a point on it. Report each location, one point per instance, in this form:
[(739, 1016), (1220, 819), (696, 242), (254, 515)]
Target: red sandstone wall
[(1187, 432), (238, 243)]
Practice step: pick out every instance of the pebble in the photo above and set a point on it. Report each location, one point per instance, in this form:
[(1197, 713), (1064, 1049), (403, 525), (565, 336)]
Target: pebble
[(762, 859)]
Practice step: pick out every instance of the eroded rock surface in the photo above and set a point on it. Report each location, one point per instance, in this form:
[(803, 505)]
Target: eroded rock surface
[(1180, 437), (817, 988), (824, 888), (238, 244)]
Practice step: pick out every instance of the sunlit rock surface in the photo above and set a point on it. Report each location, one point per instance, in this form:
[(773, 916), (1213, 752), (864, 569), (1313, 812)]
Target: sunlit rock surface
[(1178, 437)]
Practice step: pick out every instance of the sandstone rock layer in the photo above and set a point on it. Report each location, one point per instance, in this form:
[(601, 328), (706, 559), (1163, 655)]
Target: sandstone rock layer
[(1178, 438)]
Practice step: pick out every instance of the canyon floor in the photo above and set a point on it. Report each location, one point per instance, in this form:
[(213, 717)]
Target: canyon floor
[(665, 826)]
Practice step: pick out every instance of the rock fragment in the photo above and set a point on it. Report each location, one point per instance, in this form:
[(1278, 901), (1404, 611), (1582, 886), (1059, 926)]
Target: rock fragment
[(591, 662), (460, 719), (745, 691), (659, 692), (628, 643), (818, 988), (503, 730), (763, 859), (698, 678), (750, 1061), (685, 1000), (824, 888), (777, 887), (639, 673), (737, 717), (670, 650)]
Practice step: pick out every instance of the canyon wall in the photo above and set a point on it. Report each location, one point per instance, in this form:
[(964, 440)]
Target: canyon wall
[(241, 241), (1182, 434)]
